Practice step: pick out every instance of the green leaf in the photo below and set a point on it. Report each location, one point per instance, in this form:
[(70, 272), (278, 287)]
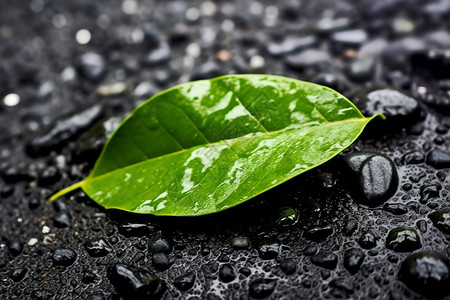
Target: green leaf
[(205, 146)]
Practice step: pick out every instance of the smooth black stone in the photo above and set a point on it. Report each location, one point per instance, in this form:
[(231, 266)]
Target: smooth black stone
[(413, 158), (378, 180), (353, 259), (135, 282), (161, 261), (34, 203), (310, 250), (287, 216), (185, 282), (368, 240), (398, 53), (422, 226), (395, 208), (97, 248), (160, 245), (438, 159), (361, 69), (206, 70), (240, 243), (342, 288), (288, 266), (318, 233), (311, 58), (327, 260), (350, 227), (427, 273), (398, 108), (89, 277), (262, 287), (331, 80), (226, 273), (62, 220), (290, 45), (353, 38), (64, 257), (63, 130), (268, 250), (44, 91), (398, 79), (441, 219), (18, 274), (49, 176), (403, 240), (429, 191), (353, 161), (6, 191), (15, 247), (134, 229), (91, 66), (159, 55)]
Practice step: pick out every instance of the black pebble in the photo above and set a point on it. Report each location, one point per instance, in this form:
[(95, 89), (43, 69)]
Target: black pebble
[(403, 240), (327, 260), (6, 191), (185, 282), (135, 282), (413, 157), (63, 130), (288, 266), (91, 66), (268, 249), (398, 108), (62, 220), (49, 176), (97, 248), (34, 203), (350, 227), (240, 243), (441, 219), (161, 261), (378, 180), (427, 273), (395, 208), (318, 233), (160, 245), (368, 240), (15, 247), (262, 287), (226, 273), (353, 259), (64, 257), (438, 158)]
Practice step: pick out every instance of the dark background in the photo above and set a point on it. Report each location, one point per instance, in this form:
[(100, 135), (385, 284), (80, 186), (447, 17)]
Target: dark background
[(62, 57)]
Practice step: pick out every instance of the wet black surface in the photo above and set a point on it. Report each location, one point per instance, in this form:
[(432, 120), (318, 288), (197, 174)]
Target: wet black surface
[(70, 71)]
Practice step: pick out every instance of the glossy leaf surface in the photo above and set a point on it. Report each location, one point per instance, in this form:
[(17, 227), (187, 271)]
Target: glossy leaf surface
[(205, 146)]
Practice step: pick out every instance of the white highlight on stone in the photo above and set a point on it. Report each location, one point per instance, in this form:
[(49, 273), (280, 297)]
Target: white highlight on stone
[(83, 36), (11, 99)]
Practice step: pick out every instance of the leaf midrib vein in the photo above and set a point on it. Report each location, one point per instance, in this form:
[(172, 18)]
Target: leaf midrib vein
[(232, 141)]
